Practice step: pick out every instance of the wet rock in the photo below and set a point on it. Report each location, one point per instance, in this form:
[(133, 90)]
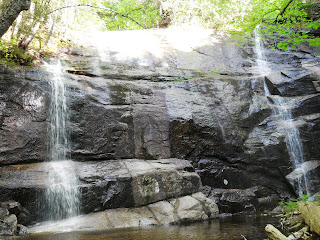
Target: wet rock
[(306, 106), (309, 133), (291, 82), (237, 201), (124, 121), (309, 170), (23, 110)]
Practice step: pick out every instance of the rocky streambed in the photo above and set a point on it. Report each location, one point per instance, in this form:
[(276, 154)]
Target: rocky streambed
[(163, 114)]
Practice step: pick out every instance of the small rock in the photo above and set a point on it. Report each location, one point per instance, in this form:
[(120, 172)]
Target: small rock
[(21, 230), (3, 212), (8, 225)]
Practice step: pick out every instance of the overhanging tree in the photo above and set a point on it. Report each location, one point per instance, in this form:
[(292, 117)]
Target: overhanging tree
[(9, 11), (284, 23)]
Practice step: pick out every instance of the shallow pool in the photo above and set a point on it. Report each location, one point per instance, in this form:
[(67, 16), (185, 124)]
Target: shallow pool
[(228, 228)]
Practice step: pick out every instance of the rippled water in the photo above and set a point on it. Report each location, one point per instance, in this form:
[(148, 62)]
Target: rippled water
[(230, 228)]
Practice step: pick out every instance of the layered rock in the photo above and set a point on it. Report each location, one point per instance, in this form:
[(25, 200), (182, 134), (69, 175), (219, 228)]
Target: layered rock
[(182, 210), (103, 184)]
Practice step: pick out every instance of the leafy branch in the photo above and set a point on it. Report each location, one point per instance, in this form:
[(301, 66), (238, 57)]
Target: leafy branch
[(102, 8)]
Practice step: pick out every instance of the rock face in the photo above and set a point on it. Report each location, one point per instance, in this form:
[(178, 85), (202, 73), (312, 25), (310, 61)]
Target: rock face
[(23, 113), (182, 210), (202, 101)]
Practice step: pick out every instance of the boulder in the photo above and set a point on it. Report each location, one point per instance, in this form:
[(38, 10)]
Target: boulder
[(189, 209), (309, 172), (242, 201), (291, 82), (164, 212), (130, 217), (209, 206), (23, 214)]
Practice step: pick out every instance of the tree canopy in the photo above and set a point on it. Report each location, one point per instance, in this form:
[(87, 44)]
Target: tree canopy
[(284, 23)]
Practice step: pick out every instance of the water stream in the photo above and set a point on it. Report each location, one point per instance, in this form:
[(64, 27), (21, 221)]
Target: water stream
[(284, 116), (62, 197)]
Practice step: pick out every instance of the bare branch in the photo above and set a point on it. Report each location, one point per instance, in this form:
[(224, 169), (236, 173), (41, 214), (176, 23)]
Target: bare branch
[(283, 10), (102, 8)]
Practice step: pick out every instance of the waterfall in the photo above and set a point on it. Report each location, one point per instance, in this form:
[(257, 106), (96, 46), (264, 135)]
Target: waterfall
[(62, 197), (283, 114), (259, 49)]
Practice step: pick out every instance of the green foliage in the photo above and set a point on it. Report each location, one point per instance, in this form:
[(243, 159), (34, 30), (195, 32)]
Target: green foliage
[(304, 198), (283, 23), (291, 206), (180, 79), (127, 13), (317, 198), (12, 55)]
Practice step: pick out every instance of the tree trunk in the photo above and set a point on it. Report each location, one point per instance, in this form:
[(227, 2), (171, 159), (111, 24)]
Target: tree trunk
[(26, 40), (9, 11), (274, 233), (311, 214), (48, 38)]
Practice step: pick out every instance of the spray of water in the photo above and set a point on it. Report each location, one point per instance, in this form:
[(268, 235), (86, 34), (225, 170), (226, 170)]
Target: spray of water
[(283, 112), (62, 197)]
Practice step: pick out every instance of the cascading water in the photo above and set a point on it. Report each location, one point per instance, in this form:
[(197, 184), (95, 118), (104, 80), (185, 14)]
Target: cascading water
[(62, 197), (283, 113), (261, 58)]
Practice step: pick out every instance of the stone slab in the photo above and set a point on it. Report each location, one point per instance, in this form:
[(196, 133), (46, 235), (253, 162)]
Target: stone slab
[(176, 211)]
